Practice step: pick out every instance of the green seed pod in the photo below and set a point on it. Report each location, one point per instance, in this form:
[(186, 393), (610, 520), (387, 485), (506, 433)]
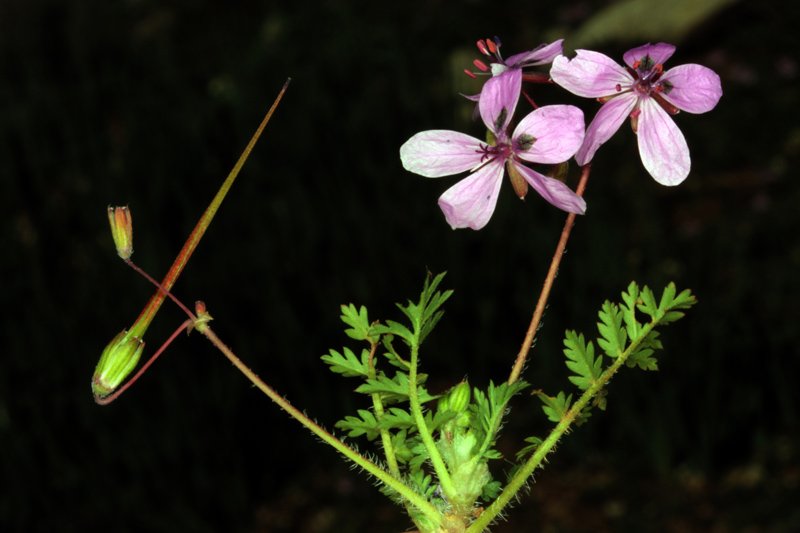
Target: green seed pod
[(117, 361)]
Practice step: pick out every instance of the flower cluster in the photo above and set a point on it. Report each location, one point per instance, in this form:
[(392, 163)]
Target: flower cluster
[(553, 134)]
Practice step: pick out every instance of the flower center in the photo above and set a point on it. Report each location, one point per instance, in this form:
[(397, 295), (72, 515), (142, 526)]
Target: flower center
[(647, 74), (488, 152)]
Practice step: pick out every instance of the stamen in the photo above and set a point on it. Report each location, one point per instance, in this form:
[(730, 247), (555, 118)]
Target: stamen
[(482, 47), (470, 74), (480, 65), (492, 46)]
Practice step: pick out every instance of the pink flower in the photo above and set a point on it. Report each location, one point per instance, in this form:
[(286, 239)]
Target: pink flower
[(541, 55), (548, 135), (646, 93)]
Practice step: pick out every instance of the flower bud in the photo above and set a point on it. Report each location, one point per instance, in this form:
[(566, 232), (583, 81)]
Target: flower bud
[(458, 397), (117, 361), (121, 230)]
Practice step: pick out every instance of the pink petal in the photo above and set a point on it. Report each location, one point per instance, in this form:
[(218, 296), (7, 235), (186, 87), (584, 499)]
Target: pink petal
[(605, 124), (590, 74), (552, 190), (471, 202), (558, 130), (499, 100), (662, 146), (659, 53), (695, 88), (435, 153), (541, 55)]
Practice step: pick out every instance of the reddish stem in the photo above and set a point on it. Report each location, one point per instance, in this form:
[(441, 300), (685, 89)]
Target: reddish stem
[(548, 283)]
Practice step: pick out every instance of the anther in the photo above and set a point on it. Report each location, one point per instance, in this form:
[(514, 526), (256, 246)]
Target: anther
[(480, 65)]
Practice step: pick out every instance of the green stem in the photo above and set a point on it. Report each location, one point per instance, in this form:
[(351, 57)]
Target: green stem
[(148, 313), (419, 419), (377, 404), (522, 475), (386, 478)]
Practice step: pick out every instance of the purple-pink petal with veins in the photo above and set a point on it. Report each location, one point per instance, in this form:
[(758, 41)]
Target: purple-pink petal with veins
[(658, 52), (471, 202), (558, 131), (552, 190), (435, 153), (541, 55), (498, 100), (693, 88), (606, 122), (662, 146), (590, 74)]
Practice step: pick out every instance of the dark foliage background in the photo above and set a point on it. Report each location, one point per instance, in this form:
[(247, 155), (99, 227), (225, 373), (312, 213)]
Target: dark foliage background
[(149, 103)]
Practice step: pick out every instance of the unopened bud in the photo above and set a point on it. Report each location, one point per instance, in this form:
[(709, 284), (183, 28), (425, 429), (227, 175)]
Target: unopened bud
[(121, 230), (518, 182), (458, 397), (117, 361)]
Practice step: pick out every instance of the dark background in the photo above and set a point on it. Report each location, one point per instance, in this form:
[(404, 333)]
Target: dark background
[(149, 104)]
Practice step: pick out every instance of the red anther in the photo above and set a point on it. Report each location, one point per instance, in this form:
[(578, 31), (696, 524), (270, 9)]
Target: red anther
[(659, 68), (492, 46), (482, 47), (480, 65), (470, 74), (636, 64)]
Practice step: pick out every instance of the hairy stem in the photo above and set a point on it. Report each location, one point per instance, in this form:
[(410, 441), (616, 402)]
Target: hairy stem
[(424, 433), (377, 404), (386, 478), (538, 312), (547, 446)]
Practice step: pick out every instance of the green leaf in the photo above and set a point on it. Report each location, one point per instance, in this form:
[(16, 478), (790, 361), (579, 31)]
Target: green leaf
[(395, 389), (421, 483), (555, 407), (400, 446), (396, 418), (491, 491), (363, 424), (613, 335), (394, 328), (488, 409), (347, 364), (630, 299), (533, 443), (358, 321), (425, 314), (581, 360), (648, 303), (642, 356)]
